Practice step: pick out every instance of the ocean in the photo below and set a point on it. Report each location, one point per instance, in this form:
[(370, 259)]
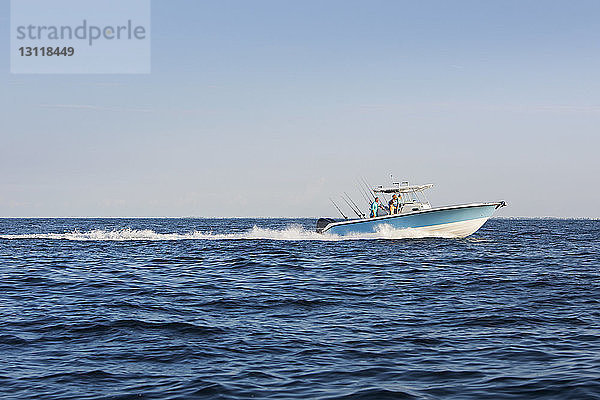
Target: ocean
[(268, 309)]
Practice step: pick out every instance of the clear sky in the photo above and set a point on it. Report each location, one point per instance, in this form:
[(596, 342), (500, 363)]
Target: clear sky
[(267, 108)]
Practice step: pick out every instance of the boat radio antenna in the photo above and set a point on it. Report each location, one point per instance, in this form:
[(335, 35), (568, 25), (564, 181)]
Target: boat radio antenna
[(352, 208), (356, 209), (335, 205)]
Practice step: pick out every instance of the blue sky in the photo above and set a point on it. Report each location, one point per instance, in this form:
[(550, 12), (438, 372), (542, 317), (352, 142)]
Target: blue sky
[(267, 108)]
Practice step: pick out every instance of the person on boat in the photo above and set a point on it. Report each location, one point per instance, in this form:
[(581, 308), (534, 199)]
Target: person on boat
[(375, 207), (393, 205)]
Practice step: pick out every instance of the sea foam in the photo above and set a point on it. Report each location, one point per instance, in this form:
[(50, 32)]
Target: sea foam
[(289, 233)]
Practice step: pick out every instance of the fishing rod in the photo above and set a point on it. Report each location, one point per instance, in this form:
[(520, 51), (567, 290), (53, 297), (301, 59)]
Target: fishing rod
[(365, 195), (352, 208), (382, 194), (369, 190), (358, 208), (385, 200), (335, 205), (364, 186)]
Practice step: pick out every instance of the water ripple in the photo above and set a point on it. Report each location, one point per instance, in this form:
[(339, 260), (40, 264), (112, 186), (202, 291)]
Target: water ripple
[(245, 308)]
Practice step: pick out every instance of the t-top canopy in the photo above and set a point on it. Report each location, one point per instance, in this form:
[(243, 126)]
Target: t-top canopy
[(403, 188)]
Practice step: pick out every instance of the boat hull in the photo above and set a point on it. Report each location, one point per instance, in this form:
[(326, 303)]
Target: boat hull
[(454, 221)]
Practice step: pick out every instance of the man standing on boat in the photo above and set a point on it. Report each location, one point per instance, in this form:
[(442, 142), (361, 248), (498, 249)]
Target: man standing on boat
[(375, 207), (394, 205)]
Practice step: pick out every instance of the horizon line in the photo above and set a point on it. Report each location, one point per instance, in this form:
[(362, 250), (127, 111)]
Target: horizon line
[(283, 217)]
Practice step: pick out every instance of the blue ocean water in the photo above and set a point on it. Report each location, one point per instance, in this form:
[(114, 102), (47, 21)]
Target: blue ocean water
[(244, 308)]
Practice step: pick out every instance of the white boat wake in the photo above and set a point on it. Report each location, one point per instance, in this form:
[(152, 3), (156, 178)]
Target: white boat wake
[(290, 233)]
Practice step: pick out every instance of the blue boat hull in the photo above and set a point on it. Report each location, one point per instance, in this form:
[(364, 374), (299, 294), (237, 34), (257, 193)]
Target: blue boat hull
[(453, 221)]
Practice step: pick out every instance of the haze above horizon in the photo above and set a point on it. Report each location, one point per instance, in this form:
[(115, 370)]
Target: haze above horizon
[(268, 108)]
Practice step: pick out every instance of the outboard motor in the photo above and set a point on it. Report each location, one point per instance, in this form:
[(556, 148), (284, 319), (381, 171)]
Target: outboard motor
[(322, 224)]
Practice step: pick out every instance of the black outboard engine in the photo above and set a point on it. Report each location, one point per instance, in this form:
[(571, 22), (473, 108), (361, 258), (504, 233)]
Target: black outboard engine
[(322, 224)]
